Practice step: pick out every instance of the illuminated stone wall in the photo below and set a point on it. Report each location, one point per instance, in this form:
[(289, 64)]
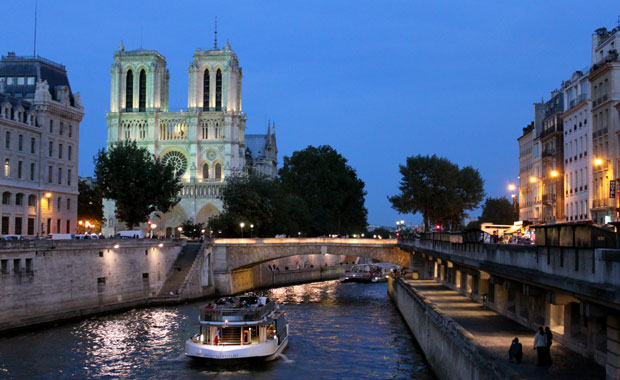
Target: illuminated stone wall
[(44, 281)]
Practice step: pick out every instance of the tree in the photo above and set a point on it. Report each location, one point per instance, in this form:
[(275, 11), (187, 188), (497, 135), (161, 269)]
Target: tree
[(192, 230), (250, 199), (438, 189), (90, 203), (380, 231), (139, 183), (498, 211), (320, 179)]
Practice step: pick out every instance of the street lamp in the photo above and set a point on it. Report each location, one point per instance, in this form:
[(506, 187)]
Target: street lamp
[(598, 162), (251, 230), (241, 225), (512, 187), (554, 173), (533, 179)]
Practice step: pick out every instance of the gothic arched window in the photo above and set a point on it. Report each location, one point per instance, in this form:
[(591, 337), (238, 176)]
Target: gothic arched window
[(142, 92), (129, 92), (206, 82), (205, 171), (218, 90), (218, 171)]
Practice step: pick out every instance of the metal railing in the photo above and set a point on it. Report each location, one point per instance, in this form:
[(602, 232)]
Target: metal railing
[(236, 314)]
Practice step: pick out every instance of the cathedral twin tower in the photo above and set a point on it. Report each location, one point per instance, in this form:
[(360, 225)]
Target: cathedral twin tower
[(205, 144)]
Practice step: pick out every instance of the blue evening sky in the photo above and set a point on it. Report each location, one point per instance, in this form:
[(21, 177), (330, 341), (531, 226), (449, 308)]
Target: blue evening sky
[(377, 80)]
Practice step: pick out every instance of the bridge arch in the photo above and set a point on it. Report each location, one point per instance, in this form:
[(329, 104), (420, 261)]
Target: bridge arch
[(234, 254)]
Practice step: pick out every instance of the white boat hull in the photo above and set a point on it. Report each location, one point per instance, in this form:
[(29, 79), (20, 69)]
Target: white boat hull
[(267, 351)]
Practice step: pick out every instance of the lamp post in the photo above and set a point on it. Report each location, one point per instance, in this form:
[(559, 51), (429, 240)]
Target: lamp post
[(242, 225), (512, 188), (251, 230)]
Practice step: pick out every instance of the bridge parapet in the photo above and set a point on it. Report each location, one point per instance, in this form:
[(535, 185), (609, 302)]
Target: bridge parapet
[(579, 270), (308, 241)]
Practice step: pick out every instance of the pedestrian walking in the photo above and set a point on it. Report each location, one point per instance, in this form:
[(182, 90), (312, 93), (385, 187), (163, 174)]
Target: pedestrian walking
[(516, 351), (549, 339), (540, 345)]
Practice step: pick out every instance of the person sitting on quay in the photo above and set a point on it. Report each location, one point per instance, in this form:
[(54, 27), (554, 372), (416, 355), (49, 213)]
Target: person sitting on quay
[(516, 351), (540, 345)]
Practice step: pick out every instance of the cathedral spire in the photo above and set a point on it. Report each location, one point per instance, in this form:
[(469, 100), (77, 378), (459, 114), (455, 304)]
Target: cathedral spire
[(121, 46), (215, 41), (269, 128)]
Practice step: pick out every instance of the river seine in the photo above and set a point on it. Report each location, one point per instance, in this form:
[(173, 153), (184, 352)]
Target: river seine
[(337, 331)]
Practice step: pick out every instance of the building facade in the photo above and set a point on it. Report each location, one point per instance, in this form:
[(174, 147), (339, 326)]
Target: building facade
[(205, 144), (577, 147), (39, 134), (604, 80), (526, 171), (552, 160)]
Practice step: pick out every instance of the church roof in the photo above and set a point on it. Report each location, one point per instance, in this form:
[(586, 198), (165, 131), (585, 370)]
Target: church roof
[(257, 144)]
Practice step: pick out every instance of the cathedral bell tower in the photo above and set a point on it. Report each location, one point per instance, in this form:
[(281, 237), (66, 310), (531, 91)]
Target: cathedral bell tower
[(139, 81), (215, 81)]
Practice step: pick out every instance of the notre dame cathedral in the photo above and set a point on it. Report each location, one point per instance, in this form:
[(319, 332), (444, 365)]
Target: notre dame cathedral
[(205, 144)]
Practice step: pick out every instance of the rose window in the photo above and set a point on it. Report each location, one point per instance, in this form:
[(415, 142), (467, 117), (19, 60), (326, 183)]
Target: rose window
[(177, 161)]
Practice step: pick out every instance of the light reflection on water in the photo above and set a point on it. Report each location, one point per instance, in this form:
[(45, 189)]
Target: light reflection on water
[(347, 331)]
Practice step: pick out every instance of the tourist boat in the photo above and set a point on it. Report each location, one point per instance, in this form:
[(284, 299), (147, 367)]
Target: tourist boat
[(369, 272), (240, 327), (363, 273)]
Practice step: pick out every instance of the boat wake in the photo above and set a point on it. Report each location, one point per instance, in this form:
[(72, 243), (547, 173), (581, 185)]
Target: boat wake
[(180, 358), (286, 359)]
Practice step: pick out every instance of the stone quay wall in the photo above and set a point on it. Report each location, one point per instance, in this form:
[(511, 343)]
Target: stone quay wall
[(50, 280), (450, 349)]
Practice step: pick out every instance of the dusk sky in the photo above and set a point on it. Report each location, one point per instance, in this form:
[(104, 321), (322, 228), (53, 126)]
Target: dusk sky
[(376, 80)]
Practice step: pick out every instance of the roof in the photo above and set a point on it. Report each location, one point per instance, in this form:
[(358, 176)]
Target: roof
[(15, 102), (257, 145), (39, 67)]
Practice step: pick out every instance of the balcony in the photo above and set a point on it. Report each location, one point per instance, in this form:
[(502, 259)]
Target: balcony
[(548, 198), (548, 152), (202, 190), (575, 102), (603, 203)]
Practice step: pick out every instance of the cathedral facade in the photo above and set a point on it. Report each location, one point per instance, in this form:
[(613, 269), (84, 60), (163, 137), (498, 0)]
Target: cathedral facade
[(205, 144)]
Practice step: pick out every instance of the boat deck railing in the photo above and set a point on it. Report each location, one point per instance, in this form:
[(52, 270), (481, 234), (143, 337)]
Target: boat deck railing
[(221, 313)]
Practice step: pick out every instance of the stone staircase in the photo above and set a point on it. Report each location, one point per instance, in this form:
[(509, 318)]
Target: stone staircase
[(180, 269)]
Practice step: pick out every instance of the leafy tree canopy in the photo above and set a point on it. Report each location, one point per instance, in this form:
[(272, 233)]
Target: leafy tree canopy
[(139, 183), (192, 230), (438, 189), (316, 193), (498, 211), (329, 188), (249, 199), (90, 205)]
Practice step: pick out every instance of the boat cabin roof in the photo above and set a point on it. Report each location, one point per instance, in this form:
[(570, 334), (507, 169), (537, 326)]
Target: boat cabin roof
[(245, 308)]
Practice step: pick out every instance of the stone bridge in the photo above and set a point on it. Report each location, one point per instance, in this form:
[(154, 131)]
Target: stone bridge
[(233, 259)]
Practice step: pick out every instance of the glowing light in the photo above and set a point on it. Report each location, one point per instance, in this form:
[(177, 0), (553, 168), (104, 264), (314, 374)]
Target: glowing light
[(533, 179), (598, 162), (153, 226), (241, 224), (512, 187), (180, 229), (554, 173), (48, 195), (161, 245), (116, 246), (80, 222)]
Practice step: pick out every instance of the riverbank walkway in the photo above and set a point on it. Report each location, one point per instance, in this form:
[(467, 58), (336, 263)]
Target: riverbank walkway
[(495, 332)]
